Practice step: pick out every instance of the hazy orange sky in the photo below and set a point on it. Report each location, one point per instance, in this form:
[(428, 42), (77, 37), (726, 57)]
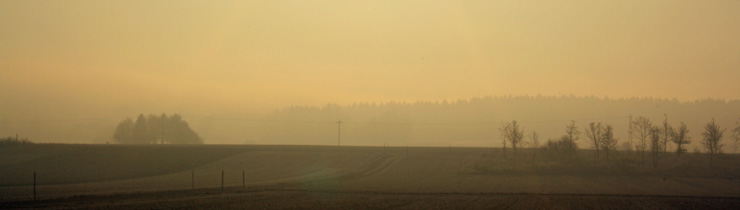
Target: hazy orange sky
[(220, 56)]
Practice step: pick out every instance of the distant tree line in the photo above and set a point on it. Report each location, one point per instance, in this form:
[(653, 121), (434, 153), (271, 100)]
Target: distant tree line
[(418, 123), (7, 141), (153, 129), (653, 139)]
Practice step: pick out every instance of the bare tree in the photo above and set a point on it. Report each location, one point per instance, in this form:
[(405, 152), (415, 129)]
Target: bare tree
[(572, 131), (593, 133), (608, 142), (736, 136), (512, 133), (666, 134), (655, 148), (572, 135), (712, 137), (680, 138), (535, 145), (642, 125), (535, 139)]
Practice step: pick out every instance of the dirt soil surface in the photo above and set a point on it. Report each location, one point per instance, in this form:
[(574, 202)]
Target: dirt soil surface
[(304, 199), (316, 177)]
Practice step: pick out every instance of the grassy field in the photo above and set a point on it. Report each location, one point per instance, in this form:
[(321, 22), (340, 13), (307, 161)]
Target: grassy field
[(157, 176)]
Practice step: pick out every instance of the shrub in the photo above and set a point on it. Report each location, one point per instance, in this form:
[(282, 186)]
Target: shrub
[(563, 147), (14, 141)]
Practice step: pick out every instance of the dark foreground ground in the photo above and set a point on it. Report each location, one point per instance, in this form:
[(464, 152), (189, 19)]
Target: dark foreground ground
[(305, 199), (324, 177)]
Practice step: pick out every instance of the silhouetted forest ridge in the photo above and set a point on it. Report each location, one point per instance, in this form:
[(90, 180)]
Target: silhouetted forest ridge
[(472, 122)]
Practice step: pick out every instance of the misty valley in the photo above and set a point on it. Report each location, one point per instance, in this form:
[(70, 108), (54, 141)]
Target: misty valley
[(383, 104), (373, 154)]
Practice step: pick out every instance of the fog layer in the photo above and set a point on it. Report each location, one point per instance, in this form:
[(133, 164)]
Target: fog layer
[(70, 70)]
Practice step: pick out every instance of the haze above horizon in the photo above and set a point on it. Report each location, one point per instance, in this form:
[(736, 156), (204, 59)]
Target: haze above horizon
[(102, 58)]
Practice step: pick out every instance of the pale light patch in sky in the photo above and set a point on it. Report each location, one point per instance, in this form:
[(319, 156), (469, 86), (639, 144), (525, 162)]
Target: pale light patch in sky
[(110, 57)]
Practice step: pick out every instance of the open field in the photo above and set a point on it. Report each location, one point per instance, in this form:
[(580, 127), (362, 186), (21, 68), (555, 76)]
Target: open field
[(156, 176)]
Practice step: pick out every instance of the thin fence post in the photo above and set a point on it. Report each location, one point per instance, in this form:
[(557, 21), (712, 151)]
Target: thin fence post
[(222, 180), (34, 186)]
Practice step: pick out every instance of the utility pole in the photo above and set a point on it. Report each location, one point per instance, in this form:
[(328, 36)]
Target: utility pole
[(339, 133), (161, 131), (630, 132)]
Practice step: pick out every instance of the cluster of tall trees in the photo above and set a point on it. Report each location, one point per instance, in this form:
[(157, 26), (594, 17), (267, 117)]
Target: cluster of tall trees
[(655, 138), (601, 136), (712, 140), (153, 129), (566, 145), (651, 138)]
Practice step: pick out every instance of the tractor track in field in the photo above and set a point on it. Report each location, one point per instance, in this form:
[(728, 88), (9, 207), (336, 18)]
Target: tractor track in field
[(377, 166)]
